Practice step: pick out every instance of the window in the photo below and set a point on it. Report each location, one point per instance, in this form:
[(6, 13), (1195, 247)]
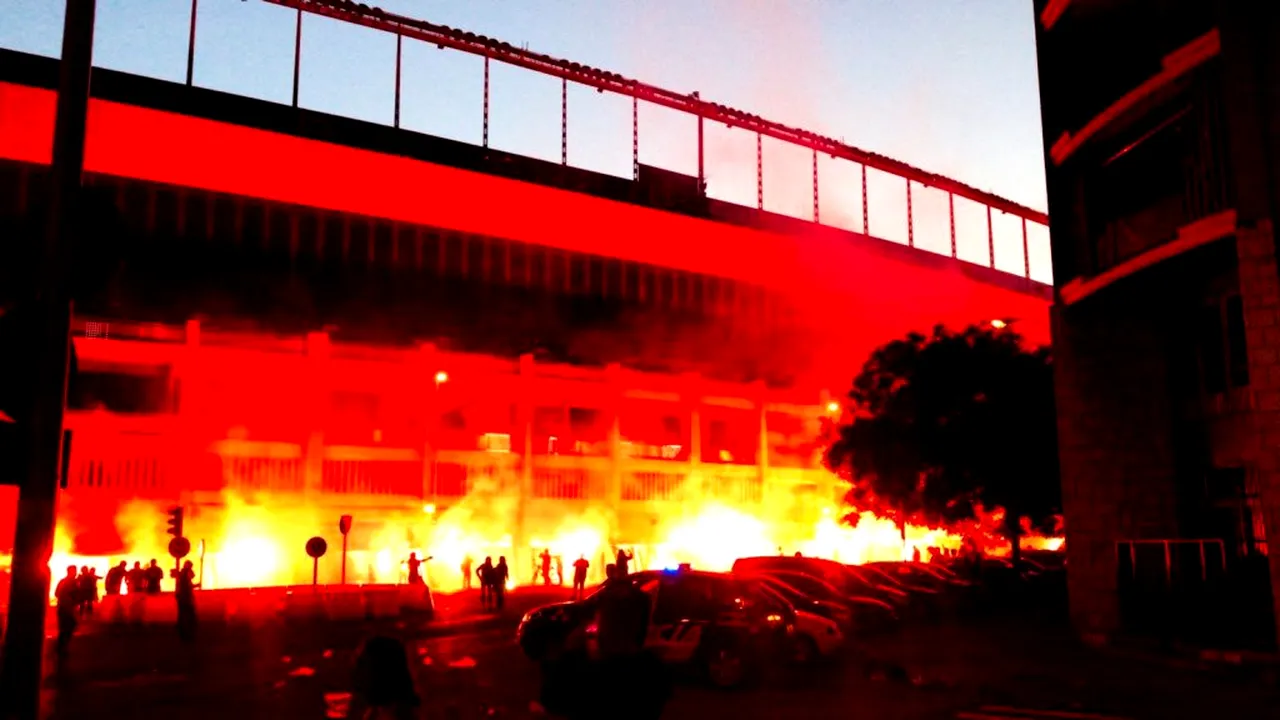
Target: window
[(477, 265), (519, 260), (630, 281), (384, 237), (684, 598), (166, 203), (136, 390), (334, 236), (357, 250), (280, 229), (454, 264), (308, 240), (499, 268), (577, 273), (539, 271)]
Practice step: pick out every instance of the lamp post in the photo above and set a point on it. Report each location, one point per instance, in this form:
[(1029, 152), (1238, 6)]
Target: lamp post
[(441, 378)]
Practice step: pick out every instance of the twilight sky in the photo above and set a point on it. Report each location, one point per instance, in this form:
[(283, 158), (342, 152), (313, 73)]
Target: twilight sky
[(946, 85)]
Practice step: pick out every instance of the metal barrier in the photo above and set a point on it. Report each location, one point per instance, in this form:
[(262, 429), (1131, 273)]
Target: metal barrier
[(302, 602), (1193, 591)]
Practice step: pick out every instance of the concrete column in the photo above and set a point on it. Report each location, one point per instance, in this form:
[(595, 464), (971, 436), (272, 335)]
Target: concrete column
[(189, 385), (524, 414), (317, 393), (762, 454), (426, 365), (613, 494), (188, 380), (693, 400)]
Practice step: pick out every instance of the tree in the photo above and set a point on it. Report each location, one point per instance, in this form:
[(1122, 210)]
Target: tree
[(943, 423)]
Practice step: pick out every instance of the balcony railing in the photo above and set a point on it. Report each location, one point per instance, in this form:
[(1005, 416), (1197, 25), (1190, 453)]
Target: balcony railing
[(1164, 173), (897, 202)]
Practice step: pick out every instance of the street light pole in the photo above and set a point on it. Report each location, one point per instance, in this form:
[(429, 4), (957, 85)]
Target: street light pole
[(38, 496)]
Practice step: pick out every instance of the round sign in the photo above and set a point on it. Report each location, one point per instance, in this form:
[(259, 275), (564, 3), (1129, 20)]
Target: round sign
[(316, 547), (179, 547), (344, 524)]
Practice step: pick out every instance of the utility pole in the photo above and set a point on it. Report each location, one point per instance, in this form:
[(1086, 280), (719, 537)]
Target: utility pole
[(37, 502)]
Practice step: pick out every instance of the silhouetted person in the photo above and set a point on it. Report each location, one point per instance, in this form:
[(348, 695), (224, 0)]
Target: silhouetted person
[(136, 579), (415, 570), (68, 596), (466, 572), (580, 576), (915, 554), (798, 554), (559, 561), (622, 622), (115, 577), (624, 559), (485, 575), (500, 575), (544, 565), (88, 582), (382, 680), (184, 591), (155, 576)]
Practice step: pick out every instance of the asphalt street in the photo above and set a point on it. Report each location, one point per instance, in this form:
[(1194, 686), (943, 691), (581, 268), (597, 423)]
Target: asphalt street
[(278, 670)]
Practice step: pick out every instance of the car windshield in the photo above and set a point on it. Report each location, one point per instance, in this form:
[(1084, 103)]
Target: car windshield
[(792, 595), (811, 586)]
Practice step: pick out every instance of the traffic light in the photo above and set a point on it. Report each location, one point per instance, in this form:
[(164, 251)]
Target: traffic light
[(175, 522)]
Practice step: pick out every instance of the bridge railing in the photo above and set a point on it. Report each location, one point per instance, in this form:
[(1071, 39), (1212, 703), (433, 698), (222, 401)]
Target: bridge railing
[(893, 200)]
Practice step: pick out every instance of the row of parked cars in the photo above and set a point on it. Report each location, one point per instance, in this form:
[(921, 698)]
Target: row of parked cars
[(727, 627)]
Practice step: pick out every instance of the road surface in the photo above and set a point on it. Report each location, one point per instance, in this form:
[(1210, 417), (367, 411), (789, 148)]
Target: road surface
[(965, 672)]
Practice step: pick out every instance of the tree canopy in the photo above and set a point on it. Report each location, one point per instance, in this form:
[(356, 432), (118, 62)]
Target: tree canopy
[(942, 423)]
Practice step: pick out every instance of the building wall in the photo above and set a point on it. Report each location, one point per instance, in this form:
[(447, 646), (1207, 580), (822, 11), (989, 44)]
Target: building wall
[(831, 278), (311, 423), (1157, 398)]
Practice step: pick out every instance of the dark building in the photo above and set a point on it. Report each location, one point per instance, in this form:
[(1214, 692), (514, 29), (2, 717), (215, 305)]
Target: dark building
[(1162, 138)]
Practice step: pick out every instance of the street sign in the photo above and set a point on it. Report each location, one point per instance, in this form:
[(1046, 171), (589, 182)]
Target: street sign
[(317, 547), (179, 547), (344, 525)]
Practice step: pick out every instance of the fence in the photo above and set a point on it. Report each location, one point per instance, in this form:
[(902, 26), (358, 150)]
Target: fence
[(1192, 591)]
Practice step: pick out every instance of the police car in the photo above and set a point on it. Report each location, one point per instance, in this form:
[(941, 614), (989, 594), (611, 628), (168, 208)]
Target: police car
[(716, 624)]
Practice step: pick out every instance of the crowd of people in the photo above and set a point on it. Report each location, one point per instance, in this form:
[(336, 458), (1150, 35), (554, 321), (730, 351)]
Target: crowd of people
[(76, 595), (574, 685)]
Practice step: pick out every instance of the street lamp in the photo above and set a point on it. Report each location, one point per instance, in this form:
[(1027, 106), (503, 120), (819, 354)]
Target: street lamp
[(999, 324), (441, 378)]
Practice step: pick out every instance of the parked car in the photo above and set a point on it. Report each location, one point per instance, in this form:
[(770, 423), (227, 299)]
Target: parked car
[(853, 614), (849, 583), (816, 637), (711, 623), (831, 607)]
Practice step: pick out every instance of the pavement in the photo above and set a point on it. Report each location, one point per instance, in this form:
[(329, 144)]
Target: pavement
[(995, 669)]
